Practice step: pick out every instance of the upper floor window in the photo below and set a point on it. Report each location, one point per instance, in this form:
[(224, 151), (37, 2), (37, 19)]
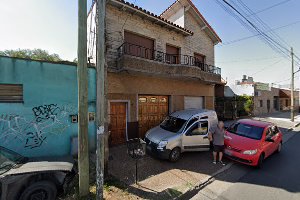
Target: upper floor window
[(11, 93), (199, 58), (172, 54), (137, 45)]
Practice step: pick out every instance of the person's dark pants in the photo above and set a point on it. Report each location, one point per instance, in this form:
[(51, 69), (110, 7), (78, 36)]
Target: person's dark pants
[(218, 148)]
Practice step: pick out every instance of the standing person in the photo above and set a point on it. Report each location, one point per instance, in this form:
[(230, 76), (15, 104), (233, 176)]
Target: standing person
[(217, 136)]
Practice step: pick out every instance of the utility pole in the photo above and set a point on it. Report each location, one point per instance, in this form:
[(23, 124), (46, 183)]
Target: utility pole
[(101, 97), (292, 86), (82, 76)]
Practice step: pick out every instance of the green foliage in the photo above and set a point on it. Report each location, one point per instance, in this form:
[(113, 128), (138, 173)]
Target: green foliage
[(35, 54), (248, 106)]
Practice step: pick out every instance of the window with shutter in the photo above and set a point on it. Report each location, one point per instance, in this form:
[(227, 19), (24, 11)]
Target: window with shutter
[(11, 93)]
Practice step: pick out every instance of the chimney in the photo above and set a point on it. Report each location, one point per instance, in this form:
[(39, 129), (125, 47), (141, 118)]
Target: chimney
[(244, 78)]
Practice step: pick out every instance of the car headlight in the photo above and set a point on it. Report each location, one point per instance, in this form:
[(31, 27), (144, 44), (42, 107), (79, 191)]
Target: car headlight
[(250, 152), (162, 144)]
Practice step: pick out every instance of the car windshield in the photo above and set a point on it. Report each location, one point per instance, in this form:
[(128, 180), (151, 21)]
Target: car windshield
[(246, 130), (172, 124), (8, 159)]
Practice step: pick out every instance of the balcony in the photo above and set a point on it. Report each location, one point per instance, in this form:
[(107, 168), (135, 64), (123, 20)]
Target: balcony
[(140, 59)]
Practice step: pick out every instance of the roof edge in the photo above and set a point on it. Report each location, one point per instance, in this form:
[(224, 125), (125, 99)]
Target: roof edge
[(150, 14), (199, 14), (63, 62)]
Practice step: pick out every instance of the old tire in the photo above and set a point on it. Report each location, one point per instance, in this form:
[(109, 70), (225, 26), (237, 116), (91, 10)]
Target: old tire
[(175, 155), (42, 190), (260, 161)]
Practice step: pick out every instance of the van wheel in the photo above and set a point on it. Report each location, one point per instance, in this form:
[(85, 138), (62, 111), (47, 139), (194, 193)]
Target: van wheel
[(260, 161), (42, 190), (175, 154)]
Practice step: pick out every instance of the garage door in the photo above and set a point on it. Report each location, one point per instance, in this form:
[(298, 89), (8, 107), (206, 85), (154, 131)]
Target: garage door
[(117, 125), (193, 102), (152, 111)]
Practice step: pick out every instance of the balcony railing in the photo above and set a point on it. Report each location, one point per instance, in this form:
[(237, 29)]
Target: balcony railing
[(146, 53)]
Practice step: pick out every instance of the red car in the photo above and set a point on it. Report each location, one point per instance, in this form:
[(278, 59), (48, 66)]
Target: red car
[(251, 141)]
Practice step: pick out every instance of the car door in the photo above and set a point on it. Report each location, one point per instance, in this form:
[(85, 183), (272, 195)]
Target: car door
[(268, 146), (276, 137), (195, 137)]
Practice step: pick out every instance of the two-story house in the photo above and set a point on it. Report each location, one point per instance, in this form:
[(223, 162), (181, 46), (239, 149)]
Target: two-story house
[(156, 65)]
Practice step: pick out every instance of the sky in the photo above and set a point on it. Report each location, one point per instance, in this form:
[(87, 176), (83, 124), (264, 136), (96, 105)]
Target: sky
[(52, 25)]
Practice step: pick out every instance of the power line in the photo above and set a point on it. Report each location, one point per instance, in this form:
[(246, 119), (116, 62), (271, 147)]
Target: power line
[(249, 60), (263, 69), (252, 36), (269, 40), (270, 7)]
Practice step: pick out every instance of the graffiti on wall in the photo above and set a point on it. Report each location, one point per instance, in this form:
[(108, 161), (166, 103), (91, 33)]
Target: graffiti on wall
[(47, 119), (45, 112)]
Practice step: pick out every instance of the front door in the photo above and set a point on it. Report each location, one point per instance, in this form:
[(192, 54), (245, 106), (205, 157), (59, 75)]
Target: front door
[(195, 138), (117, 125)]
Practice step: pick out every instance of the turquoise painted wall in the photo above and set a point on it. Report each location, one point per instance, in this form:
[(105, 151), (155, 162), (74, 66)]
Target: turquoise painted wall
[(41, 126)]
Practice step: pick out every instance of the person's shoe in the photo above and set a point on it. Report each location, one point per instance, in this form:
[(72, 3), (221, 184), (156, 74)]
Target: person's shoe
[(214, 162), (222, 163)]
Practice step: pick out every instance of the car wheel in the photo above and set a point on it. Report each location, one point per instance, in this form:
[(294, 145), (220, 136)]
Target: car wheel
[(260, 161), (279, 147), (175, 154), (42, 190)]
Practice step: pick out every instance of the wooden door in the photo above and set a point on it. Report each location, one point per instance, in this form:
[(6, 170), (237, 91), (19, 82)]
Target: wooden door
[(117, 125), (152, 111)]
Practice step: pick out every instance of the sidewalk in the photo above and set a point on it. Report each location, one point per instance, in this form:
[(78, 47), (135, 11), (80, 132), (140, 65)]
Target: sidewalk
[(161, 179)]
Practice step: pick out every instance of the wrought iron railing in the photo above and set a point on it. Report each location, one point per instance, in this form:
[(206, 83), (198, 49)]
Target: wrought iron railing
[(143, 52)]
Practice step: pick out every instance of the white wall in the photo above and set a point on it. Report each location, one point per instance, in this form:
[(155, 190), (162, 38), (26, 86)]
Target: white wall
[(178, 18)]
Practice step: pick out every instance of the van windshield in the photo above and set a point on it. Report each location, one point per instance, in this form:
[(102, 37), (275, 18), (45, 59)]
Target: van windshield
[(172, 124)]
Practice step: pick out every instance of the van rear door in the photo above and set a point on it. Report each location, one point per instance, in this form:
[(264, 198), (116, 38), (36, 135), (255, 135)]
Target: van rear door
[(195, 137)]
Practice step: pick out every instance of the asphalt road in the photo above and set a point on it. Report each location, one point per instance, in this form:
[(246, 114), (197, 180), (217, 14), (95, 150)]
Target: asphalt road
[(279, 179)]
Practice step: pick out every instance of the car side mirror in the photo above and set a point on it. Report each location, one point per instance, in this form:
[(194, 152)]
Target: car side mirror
[(269, 140)]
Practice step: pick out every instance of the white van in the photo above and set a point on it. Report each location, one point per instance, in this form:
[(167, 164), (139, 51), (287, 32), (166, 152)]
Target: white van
[(181, 131)]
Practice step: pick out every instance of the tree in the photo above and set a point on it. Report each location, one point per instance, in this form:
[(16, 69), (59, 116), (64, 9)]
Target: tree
[(35, 54)]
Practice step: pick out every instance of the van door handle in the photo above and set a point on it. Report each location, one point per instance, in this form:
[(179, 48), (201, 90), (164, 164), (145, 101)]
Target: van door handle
[(205, 137)]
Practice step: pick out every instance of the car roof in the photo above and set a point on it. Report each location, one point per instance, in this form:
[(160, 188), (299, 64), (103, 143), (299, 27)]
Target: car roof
[(188, 113), (253, 122)]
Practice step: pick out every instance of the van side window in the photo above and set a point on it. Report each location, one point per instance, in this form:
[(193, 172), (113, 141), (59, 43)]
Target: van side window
[(191, 122), (200, 128)]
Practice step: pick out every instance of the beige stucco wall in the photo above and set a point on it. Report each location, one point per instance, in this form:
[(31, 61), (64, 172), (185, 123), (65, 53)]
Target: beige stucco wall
[(122, 86)]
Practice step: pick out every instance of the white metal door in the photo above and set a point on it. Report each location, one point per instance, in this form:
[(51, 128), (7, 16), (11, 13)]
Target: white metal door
[(193, 102)]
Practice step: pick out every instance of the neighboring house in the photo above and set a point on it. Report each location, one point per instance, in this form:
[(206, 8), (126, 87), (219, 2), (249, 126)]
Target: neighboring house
[(156, 64), (285, 99), (265, 98), (39, 107)]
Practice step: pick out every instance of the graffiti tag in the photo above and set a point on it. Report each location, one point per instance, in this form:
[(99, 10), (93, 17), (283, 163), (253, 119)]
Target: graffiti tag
[(45, 112), (34, 140)]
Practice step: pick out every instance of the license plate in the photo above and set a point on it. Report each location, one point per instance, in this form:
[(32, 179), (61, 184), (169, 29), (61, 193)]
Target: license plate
[(227, 152)]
